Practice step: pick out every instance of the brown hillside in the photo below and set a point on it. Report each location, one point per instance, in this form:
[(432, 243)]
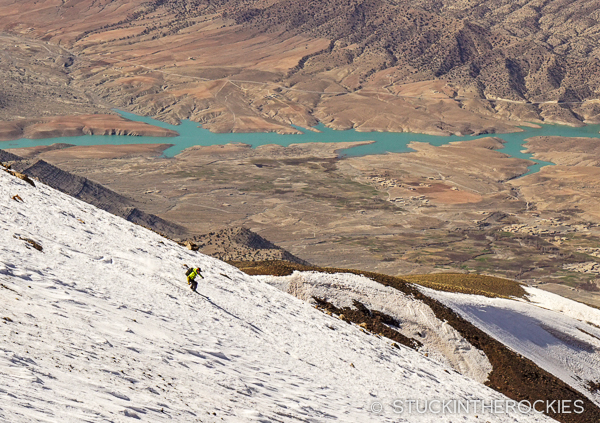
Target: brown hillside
[(428, 66)]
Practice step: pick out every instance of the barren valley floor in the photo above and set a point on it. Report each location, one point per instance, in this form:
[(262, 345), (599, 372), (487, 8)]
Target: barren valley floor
[(457, 208), (460, 207)]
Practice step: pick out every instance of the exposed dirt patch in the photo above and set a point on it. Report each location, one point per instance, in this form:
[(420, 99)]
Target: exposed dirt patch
[(72, 152), (22, 176), (373, 321), (593, 386), (446, 194), (68, 126), (566, 151), (30, 243)]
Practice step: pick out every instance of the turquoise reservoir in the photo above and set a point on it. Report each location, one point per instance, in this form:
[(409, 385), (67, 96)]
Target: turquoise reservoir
[(191, 134)]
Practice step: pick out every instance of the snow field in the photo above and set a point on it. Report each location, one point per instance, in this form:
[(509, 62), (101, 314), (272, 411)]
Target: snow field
[(100, 326), (440, 340), (552, 331)]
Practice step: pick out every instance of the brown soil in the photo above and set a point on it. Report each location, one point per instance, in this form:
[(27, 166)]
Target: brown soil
[(593, 386), (433, 66), (444, 194), (68, 126), (564, 189), (455, 197), (576, 151), (513, 375), (71, 152)]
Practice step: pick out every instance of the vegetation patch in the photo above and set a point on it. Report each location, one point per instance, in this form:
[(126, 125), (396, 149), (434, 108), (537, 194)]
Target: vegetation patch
[(488, 286)]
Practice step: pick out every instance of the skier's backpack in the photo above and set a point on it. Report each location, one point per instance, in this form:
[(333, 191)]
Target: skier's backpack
[(189, 271)]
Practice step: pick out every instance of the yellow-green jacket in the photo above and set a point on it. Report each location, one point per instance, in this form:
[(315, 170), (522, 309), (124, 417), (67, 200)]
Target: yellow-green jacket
[(192, 276)]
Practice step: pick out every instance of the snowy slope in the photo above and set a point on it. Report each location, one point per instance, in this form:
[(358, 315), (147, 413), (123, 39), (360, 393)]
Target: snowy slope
[(560, 335), (441, 341), (563, 305), (100, 326)]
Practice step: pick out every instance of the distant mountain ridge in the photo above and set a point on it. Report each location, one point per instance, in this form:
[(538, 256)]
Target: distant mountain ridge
[(433, 66), (496, 49), (526, 51)]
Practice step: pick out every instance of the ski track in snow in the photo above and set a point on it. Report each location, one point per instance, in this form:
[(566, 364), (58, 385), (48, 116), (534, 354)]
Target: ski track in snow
[(560, 335), (103, 328)]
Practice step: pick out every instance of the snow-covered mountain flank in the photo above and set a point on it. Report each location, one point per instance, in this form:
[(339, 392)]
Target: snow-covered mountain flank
[(565, 343), (99, 325), (559, 335)]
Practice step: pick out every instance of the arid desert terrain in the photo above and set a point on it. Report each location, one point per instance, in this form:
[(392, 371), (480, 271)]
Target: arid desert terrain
[(262, 66)]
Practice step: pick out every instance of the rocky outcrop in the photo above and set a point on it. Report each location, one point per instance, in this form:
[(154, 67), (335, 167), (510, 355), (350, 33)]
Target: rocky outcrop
[(240, 244), (90, 192), (5, 156)]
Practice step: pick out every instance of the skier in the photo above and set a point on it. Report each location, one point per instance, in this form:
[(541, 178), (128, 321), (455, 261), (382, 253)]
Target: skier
[(191, 274)]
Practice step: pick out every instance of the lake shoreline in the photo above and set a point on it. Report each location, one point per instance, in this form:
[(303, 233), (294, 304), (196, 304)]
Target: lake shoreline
[(371, 143)]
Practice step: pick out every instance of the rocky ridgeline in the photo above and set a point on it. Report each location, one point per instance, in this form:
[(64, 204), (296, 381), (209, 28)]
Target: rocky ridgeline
[(239, 244), (231, 244), (491, 48), (90, 192)]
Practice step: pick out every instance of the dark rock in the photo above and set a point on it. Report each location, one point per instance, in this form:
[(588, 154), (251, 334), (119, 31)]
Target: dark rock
[(92, 193)]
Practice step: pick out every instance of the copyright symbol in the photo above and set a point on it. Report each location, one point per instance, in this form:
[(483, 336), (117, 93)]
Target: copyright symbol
[(376, 407)]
